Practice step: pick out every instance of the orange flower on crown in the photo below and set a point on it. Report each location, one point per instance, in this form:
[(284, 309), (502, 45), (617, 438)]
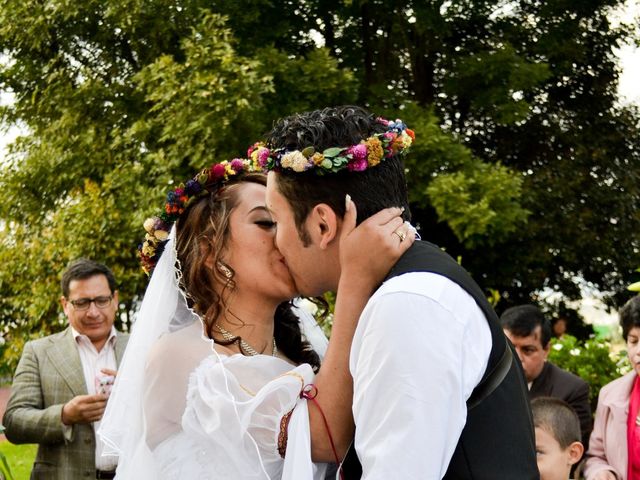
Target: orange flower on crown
[(375, 151)]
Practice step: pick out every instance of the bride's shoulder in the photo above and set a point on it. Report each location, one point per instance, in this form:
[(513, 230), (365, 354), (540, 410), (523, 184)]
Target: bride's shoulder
[(185, 343)]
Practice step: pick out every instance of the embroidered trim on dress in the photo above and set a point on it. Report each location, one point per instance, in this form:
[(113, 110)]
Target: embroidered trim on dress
[(283, 436)]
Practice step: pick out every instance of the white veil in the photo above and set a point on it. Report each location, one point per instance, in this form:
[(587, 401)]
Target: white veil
[(164, 310)]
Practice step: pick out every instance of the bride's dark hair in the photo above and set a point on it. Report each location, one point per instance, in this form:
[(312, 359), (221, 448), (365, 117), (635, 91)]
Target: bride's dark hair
[(202, 231)]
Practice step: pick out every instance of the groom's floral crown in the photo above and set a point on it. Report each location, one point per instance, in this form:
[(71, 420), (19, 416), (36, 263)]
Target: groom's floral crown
[(396, 140), (179, 199)]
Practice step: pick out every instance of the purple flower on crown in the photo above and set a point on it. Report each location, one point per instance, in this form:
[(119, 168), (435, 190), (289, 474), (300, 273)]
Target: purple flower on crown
[(171, 196), (159, 224), (193, 187)]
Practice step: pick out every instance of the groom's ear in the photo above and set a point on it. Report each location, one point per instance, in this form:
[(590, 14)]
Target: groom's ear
[(322, 224)]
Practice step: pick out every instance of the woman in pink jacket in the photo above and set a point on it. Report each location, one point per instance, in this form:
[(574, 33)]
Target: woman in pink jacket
[(614, 447)]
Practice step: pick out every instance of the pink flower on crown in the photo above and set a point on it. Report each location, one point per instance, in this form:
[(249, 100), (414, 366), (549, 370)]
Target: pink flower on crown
[(263, 156), (357, 165), (358, 152), (237, 165), (217, 171)]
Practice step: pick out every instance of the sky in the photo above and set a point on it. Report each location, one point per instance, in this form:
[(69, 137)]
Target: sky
[(629, 86), (629, 56)]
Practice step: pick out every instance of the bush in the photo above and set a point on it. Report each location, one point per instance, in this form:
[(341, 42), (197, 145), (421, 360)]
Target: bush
[(591, 360)]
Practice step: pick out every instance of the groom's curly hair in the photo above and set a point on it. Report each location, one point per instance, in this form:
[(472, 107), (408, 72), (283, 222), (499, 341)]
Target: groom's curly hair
[(372, 190)]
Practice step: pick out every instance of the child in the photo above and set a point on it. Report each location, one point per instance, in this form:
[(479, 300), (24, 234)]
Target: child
[(558, 444)]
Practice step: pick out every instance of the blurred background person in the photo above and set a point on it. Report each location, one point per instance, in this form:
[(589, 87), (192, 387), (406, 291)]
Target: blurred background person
[(614, 448), (62, 382), (530, 332), (558, 445)]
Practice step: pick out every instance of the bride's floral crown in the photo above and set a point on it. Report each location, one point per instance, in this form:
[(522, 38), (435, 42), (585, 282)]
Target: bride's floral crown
[(179, 199), (396, 140)]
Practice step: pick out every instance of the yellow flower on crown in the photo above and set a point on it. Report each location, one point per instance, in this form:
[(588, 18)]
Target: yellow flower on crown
[(300, 163), (148, 250), (374, 151), (151, 239), (407, 141), (317, 158), (294, 160), (161, 235), (287, 160)]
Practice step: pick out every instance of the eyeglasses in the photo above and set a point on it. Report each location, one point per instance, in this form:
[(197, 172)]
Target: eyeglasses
[(85, 303)]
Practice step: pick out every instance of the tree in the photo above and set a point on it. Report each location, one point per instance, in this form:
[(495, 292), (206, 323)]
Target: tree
[(526, 85), (525, 168)]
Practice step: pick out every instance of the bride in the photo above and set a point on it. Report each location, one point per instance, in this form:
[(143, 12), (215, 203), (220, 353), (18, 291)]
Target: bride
[(221, 378)]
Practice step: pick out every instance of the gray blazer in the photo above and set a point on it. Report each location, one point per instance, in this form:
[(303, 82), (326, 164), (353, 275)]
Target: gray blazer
[(49, 375)]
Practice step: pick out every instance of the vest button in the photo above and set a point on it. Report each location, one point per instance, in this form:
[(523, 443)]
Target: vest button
[(88, 440)]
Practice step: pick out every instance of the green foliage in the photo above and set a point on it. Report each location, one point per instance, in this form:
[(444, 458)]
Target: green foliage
[(5, 471), (481, 203), (495, 81), (202, 106), (19, 458), (591, 360)]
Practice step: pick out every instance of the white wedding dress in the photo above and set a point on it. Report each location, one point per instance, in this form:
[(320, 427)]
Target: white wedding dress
[(222, 420)]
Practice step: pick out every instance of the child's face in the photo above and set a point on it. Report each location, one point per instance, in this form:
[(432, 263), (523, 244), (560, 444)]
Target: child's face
[(554, 463)]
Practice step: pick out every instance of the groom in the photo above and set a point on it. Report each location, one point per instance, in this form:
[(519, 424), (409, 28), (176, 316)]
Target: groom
[(432, 370)]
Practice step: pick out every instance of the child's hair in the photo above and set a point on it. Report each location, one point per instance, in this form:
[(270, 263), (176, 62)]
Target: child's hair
[(556, 417)]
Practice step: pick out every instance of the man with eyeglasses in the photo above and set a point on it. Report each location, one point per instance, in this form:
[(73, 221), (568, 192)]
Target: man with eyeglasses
[(62, 382)]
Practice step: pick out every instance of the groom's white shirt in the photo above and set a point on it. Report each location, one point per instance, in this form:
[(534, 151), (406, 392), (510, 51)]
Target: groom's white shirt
[(421, 346)]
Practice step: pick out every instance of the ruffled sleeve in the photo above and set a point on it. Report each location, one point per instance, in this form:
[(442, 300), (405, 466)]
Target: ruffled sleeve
[(234, 409)]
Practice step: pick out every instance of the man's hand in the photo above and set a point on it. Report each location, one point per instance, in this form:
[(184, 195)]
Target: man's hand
[(84, 409)]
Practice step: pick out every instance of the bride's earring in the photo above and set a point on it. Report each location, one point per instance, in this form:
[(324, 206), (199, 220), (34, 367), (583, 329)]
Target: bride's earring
[(226, 271)]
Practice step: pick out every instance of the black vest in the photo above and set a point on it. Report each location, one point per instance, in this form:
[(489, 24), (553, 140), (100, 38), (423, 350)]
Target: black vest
[(497, 442)]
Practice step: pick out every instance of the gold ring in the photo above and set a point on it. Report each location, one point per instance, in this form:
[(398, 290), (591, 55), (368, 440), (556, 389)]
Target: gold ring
[(401, 235)]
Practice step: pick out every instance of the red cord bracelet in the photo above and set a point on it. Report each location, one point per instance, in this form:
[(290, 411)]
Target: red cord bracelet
[(309, 392)]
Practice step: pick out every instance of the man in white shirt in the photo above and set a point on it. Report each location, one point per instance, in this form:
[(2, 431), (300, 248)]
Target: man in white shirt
[(427, 343), (61, 385)]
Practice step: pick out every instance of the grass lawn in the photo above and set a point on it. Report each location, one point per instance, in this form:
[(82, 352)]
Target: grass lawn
[(19, 457)]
